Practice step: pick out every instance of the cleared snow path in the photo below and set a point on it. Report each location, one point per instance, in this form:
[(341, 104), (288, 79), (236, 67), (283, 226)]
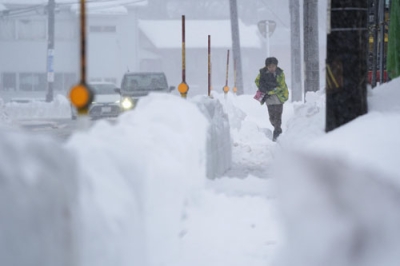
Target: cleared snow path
[(234, 221)]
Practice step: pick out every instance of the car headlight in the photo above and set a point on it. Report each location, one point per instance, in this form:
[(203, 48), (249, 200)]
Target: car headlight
[(126, 103)]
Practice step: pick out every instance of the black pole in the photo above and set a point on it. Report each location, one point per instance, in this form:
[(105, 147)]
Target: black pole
[(83, 41), (382, 40), (50, 51), (346, 76), (375, 49)]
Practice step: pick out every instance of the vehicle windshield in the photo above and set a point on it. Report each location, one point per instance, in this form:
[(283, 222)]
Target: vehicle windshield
[(102, 89), (144, 82)]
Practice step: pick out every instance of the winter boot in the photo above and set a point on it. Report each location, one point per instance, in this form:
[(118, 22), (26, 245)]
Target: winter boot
[(277, 132)]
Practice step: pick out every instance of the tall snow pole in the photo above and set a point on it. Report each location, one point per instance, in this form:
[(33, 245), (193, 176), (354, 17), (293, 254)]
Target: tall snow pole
[(209, 65), (311, 45), (183, 88), (50, 50), (226, 87), (236, 44), (267, 33), (81, 95), (295, 50), (346, 77), (393, 57)]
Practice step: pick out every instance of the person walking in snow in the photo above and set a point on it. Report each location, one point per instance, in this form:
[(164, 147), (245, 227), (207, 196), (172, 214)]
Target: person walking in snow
[(272, 90)]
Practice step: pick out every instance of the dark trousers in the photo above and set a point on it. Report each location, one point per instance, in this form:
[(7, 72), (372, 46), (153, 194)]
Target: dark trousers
[(275, 117)]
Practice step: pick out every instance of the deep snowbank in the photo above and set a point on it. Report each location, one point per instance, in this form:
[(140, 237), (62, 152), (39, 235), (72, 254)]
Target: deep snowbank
[(59, 108), (38, 202), (122, 187), (340, 195)]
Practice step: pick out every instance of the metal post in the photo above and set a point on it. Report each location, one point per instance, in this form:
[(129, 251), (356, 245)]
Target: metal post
[(226, 88), (50, 50), (376, 41), (183, 88), (236, 44), (209, 65), (311, 46), (295, 51), (234, 89), (267, 37), (382, 41), (83, 41)]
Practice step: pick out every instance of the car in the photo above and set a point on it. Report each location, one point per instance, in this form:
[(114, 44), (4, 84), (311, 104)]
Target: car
[(105, 103), (136, 85)]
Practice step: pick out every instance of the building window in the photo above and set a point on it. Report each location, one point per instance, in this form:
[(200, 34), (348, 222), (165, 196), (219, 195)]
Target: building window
[(31, 29), (7, 29), (111, 80), (92, 80), (63, 82), (103, 29), (32, 82), (9, 81), (65, 30)]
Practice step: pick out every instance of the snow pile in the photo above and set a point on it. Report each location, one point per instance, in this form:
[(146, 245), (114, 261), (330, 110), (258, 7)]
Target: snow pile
[(219, 144), (116, 193), (338, 213), (134, 191), (38, 202), (59, 108), (340, 195), (307, 122)]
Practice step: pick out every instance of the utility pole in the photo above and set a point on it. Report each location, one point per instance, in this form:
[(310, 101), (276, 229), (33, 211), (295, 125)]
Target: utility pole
[(346, 77), (295, 50), (236, 45), (375, 47), (382, 41), (50, 50), (311, 45)]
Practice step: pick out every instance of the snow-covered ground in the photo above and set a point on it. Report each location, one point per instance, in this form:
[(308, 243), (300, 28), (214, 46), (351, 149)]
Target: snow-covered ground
[(136, 193)]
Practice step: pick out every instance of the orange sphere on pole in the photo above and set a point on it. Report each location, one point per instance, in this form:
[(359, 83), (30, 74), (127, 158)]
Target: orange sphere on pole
[(81, 96), (183, 88), (225, 89)]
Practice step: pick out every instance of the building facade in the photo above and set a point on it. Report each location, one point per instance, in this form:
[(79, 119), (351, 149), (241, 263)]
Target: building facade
[(112, 46)]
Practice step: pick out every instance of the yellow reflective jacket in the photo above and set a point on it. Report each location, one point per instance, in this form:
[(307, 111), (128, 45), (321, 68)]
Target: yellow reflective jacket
[(281, 90)]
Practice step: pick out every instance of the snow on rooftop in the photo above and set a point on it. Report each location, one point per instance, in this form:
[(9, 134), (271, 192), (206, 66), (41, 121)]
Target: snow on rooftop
[(168, 33), (110, 3), (101, 9)]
